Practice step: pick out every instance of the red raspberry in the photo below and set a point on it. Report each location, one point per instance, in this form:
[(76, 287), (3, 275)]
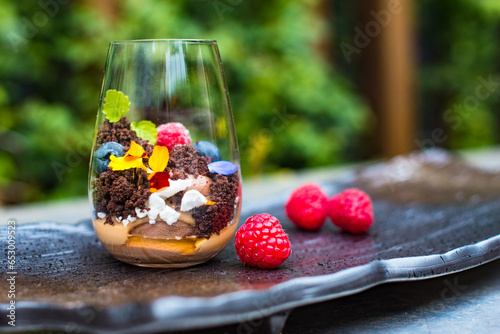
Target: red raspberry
[(351, 210), (261, 242), (307, 207), (171, 134)]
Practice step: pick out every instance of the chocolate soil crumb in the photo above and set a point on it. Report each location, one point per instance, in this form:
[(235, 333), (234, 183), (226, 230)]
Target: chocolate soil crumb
[(184, 159), (118, 193), (121, 133), (213, 218)]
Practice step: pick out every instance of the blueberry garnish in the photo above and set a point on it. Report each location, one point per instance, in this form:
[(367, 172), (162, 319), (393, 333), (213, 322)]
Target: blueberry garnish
[(103, 153), (207, 149)]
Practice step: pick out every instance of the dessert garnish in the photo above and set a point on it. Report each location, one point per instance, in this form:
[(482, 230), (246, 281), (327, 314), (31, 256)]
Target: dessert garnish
[(146, 130), (172, 134), (103, 154), (158, 178), (351, 210), (158, 161), (261, 242), (222, 167), (193, 199), (307, 207), (131, 159), (207, 149), (116, 105)]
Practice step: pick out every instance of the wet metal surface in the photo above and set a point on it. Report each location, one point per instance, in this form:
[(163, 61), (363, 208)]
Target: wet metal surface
[(434, 215)]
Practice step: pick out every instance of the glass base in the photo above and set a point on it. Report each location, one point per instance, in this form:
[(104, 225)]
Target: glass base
[(166, 265), (159, 253)]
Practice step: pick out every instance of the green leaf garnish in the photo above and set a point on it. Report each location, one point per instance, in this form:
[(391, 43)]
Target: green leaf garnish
[(145, 130), (116, 104)]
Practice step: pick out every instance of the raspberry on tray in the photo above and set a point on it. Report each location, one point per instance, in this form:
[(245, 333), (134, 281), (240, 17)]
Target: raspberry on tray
[(351, 210), (261, 242), (306, 207)]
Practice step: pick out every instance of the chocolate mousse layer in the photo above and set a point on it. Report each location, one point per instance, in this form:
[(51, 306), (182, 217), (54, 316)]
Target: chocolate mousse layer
[(162, 230), (154, 252)]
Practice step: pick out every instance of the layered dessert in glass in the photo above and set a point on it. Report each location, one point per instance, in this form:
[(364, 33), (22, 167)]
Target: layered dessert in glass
[(160, 198), (164, 179)]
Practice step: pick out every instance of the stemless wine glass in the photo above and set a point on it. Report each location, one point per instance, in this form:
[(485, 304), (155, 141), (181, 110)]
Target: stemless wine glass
[(164, 179)]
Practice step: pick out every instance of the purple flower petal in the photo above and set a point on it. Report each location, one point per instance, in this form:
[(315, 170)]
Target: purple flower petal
[(222, 167)]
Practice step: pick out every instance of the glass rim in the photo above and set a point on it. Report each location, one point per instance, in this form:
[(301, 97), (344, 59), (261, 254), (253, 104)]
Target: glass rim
[(137, 41)]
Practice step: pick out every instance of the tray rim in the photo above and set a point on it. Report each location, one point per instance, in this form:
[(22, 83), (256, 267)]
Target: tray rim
[(176, 313)]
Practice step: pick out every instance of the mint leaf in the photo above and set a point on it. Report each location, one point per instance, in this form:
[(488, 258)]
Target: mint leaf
[(145, 130), (116, 104)]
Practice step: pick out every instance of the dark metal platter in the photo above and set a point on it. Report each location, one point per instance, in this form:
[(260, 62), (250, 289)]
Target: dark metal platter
[(435, 215)]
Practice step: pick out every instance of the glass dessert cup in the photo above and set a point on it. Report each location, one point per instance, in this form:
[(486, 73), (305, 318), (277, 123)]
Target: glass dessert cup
[(164, 180)]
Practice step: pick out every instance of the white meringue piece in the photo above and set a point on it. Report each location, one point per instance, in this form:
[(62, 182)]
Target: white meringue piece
[(169, 215), (192, 199), (155, 204), (174, 187), (141, 213)]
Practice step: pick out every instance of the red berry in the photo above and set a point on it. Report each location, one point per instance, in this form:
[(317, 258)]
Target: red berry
[(171, 134), (262, 218), (351, 210), (261, 242), (307, 207)]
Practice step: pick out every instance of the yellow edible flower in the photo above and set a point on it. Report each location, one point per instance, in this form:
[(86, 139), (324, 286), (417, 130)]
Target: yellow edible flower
[(158, 179), (159, 159), (131, 159)]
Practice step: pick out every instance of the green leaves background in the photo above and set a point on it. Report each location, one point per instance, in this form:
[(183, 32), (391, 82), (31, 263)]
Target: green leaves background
[(293, 107)]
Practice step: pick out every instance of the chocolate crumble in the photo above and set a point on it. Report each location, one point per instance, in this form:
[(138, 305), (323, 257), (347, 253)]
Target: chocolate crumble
[(118, 193), (184, 158), (121, 133), (213, 218)]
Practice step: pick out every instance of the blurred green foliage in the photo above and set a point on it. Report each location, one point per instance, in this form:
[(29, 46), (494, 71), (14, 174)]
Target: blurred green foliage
[(457, 46), (292, 110), (459, 55)]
